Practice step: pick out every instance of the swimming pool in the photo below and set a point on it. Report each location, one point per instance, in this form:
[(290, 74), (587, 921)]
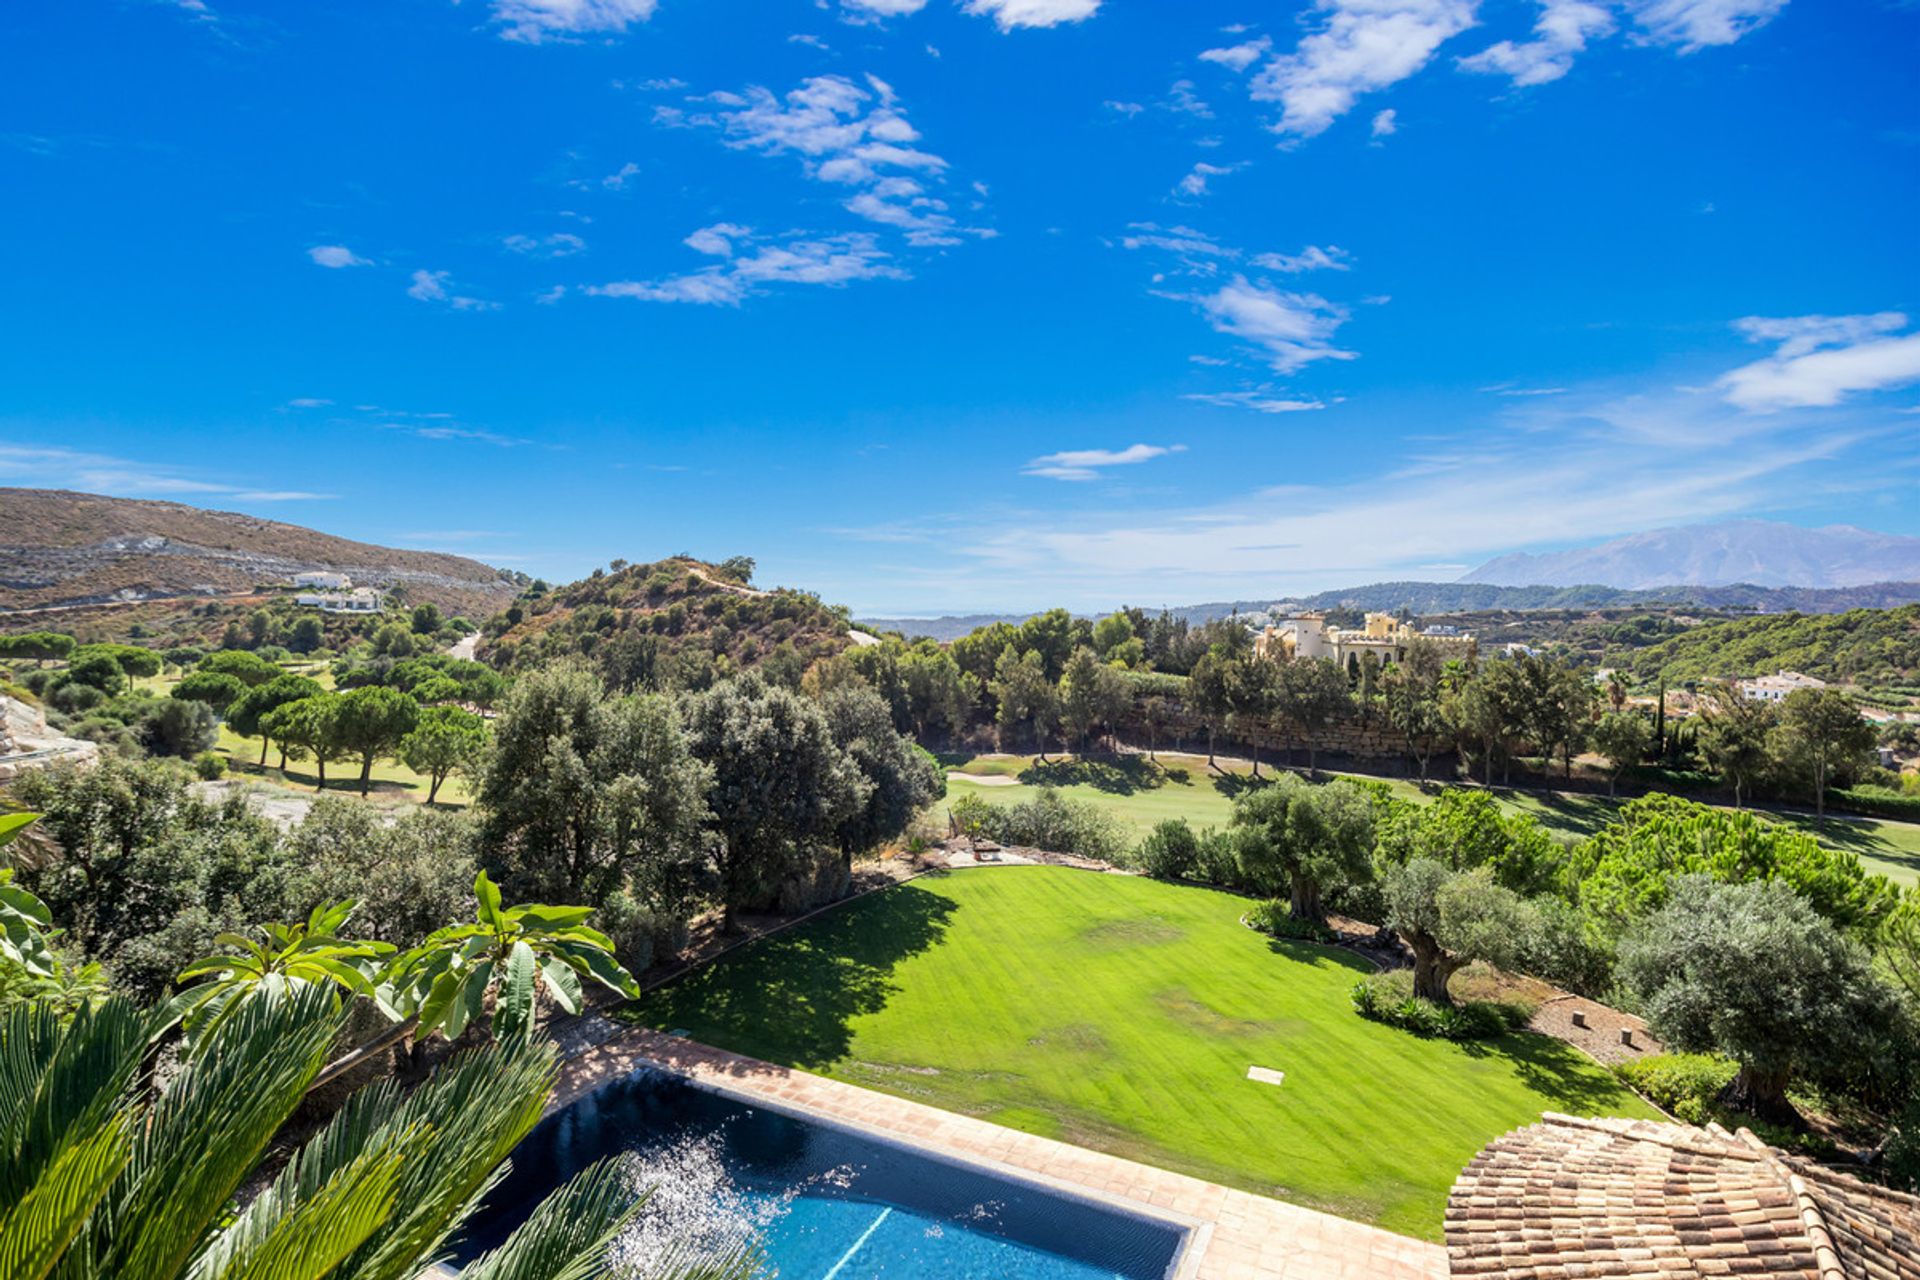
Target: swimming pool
[(827, 1203)]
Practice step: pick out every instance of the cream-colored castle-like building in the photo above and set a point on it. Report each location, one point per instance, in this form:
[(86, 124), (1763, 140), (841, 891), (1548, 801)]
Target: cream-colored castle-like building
[(1384, 636)]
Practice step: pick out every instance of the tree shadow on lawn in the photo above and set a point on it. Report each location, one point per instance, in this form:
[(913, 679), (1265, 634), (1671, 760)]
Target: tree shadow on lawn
[(1569, 1080), (1122, 776), (790, 998)]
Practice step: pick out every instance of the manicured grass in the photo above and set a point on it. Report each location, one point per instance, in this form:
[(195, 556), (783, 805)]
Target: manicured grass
[(1122, 1013), (1184, 786)]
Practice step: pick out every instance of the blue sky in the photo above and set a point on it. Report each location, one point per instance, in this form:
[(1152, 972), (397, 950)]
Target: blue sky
[(944, 305)]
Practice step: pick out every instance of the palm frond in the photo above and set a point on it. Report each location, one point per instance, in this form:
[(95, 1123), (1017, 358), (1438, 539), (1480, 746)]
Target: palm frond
[(36, 1232), (59, 1085), (305, 1239), (571, 1234), (209, 1129), (468, 1118)]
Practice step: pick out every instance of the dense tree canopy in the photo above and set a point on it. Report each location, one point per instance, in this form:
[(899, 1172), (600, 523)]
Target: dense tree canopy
[(1304, 840)]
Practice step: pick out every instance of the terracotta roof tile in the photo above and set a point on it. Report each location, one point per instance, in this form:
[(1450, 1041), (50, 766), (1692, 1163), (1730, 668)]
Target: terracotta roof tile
[(1600, 1198)]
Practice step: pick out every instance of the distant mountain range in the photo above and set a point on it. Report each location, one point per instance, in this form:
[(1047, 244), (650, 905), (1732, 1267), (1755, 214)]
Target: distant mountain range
[(1756, 552), (1428, 599), (61, 549)]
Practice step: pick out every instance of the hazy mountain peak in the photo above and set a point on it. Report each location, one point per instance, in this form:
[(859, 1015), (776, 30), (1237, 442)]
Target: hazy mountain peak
[(1764, 553)]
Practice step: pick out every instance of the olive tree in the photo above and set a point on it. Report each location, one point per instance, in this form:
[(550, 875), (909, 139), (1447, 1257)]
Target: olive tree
[(1451, 918), (1754, 973), (1304, 840)]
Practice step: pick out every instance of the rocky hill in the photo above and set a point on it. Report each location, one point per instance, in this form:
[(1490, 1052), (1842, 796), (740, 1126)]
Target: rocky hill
[(678, 623), (61, 549), (1761, 553)]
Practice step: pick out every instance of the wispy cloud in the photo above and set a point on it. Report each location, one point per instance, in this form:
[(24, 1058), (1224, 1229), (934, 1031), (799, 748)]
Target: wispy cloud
[(1292, 330), (336, 256), (749, 267), (1359, 47), (1011, 15), (539, 21), (1087, 464), (1699, 24), (1577, 470), (561, 244), (434, 286), (1311, 258), (56, 467), (1258, 400), (846, 133), (1560, 32), (1195, 183), (1239, 57), (1821, 360)]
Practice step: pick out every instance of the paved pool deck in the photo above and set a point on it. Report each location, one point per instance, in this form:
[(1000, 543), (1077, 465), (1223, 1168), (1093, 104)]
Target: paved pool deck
[(1234, 1235)]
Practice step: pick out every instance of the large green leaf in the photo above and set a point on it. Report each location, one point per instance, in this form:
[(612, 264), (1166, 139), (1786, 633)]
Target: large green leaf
[(513, 1004), (12, 824)]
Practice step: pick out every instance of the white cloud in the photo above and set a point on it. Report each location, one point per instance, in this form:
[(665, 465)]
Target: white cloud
[(1258, 401), (431, 286), (1386, 123), (1697, 24), (748, 269), (1010, 14), (1311, 258), (308, 402), (1123, 108), (558, 245), (56, 467), (1579, 472), (717, 239), (1086, 464), (1195, 183), (1561, 31), (1182, 98), (534, 21), (848, 134), (618, 179), (1292, 329), (1361, 46), (336, 256), (1239, 57), (884, 8), (1820, 360)]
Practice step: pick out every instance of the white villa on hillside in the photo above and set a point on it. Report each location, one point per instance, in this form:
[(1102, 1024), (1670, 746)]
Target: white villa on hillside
[(1776, 687), (324, 581), (1384, 636), (358, 600)]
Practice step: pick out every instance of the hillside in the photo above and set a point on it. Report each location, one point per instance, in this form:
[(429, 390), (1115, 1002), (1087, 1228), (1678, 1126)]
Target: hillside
[(1428, 599), (1877, 648), (677, 623), (1760, 552), (60, 549)]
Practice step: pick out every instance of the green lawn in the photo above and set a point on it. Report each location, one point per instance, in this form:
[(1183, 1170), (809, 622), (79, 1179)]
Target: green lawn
[(1122, 1013), (1184, 786), (392, 781)]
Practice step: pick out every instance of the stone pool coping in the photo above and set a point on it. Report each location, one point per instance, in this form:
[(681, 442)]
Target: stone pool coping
[(1233, 1235)]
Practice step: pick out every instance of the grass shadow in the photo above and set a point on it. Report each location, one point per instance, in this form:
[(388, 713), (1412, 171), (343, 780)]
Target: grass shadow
[(1566, 1077), (791, 998), (1123, 776), (1235, 785)]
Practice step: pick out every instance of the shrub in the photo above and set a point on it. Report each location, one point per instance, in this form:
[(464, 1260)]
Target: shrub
[(632, 927), (1217, 859), (1388, 997), (1054, 822), (1682, 1084), (1882, 802), (210, 766), (1170, 851), (1275, 919)]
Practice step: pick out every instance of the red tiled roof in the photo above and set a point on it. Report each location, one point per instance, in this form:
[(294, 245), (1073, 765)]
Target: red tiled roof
[(1569, 1198)]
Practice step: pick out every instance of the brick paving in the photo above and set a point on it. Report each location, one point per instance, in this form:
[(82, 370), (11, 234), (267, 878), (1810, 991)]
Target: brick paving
[(1235, 1235)]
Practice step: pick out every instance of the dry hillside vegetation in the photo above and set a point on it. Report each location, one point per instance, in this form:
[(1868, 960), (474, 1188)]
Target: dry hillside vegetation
[(60, 549), (679, 622)]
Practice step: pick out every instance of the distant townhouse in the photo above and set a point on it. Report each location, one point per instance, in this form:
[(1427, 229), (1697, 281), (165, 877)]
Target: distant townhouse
[(1776, 687), (323, 581)]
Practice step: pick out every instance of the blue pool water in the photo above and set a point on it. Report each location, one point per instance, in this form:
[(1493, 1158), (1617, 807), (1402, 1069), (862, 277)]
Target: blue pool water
[(826, 1203)]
